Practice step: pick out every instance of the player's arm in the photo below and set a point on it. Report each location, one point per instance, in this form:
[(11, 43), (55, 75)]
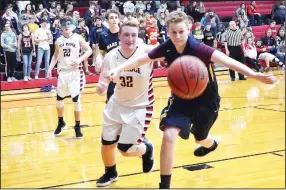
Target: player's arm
[(54, 60), (86, 47), (101, 87), (221, 58)]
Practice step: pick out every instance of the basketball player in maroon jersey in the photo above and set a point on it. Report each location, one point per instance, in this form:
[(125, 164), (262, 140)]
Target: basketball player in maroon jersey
[(180, 114)]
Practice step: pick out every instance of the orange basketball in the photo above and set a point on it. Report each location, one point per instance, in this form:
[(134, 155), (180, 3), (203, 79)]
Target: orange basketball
[(188, 77)]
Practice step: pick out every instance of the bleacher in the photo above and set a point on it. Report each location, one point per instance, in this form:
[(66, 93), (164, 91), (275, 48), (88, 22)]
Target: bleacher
[(224, 9)]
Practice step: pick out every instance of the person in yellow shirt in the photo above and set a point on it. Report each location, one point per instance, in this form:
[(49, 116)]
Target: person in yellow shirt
[(32, 25)]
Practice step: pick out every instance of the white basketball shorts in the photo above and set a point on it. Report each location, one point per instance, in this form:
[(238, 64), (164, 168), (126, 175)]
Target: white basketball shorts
[(71, 82), (130, 124)]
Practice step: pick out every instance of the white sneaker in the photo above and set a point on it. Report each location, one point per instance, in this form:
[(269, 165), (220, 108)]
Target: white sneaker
[(14, 79), (36, 77), (9, 79), (26, 78)]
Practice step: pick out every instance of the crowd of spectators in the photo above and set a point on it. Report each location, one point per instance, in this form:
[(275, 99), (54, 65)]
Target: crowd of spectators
[(30, 28)]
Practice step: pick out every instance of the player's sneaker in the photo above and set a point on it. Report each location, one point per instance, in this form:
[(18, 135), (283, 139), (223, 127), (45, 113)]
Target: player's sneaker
[(60, 128), (78, 133), (148, 162), (202, 151), (106, 179)]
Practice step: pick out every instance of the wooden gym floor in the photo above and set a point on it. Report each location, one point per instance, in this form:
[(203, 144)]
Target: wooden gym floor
[(251, 125)]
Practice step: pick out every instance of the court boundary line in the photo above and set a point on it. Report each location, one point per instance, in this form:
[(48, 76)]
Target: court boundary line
[(226, 109), (176, 167)]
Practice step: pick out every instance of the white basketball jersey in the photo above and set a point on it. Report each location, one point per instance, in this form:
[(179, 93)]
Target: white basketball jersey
[(69, 50), (134, 88)]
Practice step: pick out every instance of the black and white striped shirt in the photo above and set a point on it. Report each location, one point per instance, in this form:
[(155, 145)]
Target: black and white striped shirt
[(233, 37)]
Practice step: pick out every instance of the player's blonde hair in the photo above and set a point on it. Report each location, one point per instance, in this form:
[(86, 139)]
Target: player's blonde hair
[(176, 17), (131, 23)]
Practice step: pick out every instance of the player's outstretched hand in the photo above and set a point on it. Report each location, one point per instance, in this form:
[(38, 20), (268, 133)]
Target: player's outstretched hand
[(267, 79)]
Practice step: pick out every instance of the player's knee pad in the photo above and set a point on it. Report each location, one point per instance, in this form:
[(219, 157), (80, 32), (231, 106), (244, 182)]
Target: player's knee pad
[(59, 98), (60, 103), (127, 148), (77, 106)]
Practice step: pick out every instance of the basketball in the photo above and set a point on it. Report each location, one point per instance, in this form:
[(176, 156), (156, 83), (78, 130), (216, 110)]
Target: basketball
[(188, 77)]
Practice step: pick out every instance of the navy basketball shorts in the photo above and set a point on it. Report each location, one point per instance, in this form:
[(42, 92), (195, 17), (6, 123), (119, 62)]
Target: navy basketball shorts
[(189, 119)]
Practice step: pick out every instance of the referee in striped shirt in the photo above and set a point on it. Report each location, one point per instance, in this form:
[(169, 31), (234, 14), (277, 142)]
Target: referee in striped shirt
[(233, 47)]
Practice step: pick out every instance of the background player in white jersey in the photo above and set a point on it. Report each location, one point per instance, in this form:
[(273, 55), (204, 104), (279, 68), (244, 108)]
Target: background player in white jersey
[(71, 79), (128, 113)]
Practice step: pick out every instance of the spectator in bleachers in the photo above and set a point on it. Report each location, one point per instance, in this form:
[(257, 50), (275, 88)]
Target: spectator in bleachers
[(201, 9), (241, 15), (75, 17), (198, 33), (53, 7), (128, 7), (233, 47), (263, 54), (29, 11), (46, 15), (142, 30), (22, 5), (89, 14), (272, 27), (280, 36), (152, 32), (9, 15), (9, 45), (281, 52), (23, 19), (203, 20), (254, 14), (163, 32), (269, 42), (97, 8), (148, 9), (209, 36), (140, 14), (32, 25), (250, 54), (212, 14), (26, 49), (43, 37), (278, 12), (140, 5), (40, 8), (162, 8), (56, 29), (69, 10), (81, 30), (58, 9), (193, 11)]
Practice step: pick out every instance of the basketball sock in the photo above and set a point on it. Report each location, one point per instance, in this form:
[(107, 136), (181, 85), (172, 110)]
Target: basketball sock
[(165, 182), (110, 170), (77, 123), (61, 120), (213, 147)]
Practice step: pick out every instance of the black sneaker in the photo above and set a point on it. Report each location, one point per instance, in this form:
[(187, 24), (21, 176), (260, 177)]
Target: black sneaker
[(106, 179), (202, 151), (78, 133), (148, 162), (60, 128)]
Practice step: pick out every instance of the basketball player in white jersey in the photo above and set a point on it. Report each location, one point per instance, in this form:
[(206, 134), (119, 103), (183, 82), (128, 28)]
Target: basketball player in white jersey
[(128, 113), (71, 79)]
